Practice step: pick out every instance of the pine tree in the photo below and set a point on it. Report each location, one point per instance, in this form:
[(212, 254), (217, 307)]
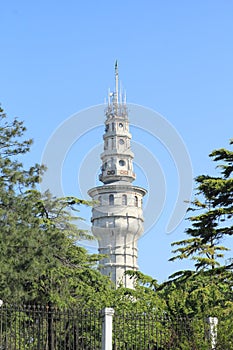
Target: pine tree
[(215, 219), (207, 289), (40, 259)]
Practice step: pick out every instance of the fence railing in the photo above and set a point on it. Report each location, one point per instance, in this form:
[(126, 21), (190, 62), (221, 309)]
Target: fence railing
[(142, 331), (48, 328)]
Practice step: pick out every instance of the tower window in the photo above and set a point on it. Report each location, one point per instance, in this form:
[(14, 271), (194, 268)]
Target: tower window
[(113, 126), (124, 199), (111, 199), (136, 201), (110, 223), (106, 127), (121, 162), (106, 144)]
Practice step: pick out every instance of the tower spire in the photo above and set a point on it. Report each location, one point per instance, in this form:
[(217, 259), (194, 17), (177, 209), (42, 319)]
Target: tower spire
[(116, 82)]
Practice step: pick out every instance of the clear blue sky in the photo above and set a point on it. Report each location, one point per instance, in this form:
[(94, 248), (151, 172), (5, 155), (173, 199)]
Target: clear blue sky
[(175, 57)]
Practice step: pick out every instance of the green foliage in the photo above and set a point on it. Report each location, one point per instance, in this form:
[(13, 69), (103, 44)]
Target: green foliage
[(143, 298), (225, 328), (206, 291), (214, 220), (40, 259), (198, 294)]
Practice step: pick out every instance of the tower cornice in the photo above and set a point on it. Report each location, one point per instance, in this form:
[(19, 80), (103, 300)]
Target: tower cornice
[(120, 186)]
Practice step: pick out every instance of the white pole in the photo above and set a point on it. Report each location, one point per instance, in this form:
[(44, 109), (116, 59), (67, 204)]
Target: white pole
[(107, 314), (213, 323)]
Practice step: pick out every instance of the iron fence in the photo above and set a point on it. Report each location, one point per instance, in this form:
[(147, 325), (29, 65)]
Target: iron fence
[(48, 328), (145, 331)]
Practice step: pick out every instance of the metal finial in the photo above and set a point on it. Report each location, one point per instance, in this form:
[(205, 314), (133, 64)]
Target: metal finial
[(125, 97), (116, 82)]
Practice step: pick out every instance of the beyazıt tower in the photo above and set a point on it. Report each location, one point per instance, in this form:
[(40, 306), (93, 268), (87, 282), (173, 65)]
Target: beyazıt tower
[(117, 218)]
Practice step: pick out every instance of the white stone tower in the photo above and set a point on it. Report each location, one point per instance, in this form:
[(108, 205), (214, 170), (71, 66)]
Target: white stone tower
[(117, 218)]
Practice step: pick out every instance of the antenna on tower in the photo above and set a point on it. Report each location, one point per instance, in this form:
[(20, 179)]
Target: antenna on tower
[(120, 97), (125, 97), (108, 97), (116, 82)]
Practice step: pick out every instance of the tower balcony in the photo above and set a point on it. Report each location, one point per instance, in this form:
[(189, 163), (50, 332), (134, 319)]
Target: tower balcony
[(108, 176)]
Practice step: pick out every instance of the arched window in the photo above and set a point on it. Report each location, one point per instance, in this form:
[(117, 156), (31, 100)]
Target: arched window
[(100, 200), (113, 126), (136, 201), (124, 199), (111, 199)]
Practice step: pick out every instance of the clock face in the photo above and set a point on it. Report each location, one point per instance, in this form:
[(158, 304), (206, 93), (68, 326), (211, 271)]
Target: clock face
[(120, 125), (121, 162), (121, 142)]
